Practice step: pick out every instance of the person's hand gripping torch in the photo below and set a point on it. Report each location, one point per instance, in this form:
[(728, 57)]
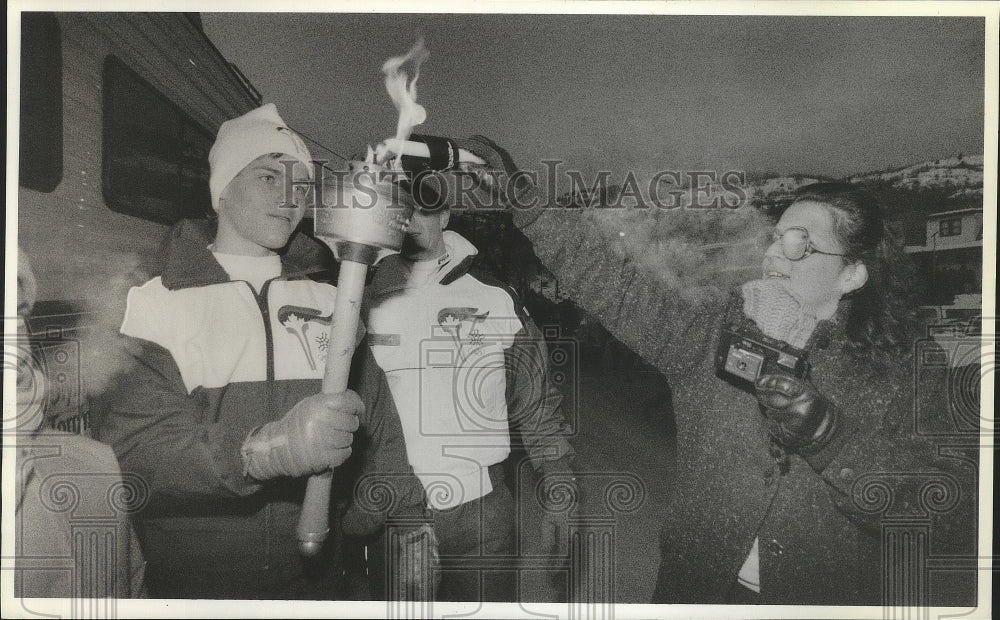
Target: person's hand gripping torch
[(362, 217)]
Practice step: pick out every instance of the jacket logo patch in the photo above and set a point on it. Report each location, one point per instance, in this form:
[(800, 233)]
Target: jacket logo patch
[(310, 328), (453, 319)]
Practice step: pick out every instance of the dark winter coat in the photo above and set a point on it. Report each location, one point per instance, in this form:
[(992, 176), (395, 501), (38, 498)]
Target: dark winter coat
[(824, 524), (211, 359)]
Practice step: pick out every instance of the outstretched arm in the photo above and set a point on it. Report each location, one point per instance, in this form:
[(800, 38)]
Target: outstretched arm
[(671, 327)]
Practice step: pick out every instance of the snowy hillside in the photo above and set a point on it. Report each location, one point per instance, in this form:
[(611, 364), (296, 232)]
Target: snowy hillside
[(964, 174), (960, 177)]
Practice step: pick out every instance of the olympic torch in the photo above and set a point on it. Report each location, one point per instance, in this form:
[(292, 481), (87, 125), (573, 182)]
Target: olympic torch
[(362, 216)]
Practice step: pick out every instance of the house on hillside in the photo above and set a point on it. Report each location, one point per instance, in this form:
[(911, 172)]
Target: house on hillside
[(950, 259), (952, 230)]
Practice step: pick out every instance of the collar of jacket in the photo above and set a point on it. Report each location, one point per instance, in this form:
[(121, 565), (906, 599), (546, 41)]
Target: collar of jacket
[(187, 262), (461, 255), (395, 272)]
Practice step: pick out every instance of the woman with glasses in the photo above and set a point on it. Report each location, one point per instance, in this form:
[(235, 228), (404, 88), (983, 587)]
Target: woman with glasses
[(782, 469), (796, 407), (770, 454)]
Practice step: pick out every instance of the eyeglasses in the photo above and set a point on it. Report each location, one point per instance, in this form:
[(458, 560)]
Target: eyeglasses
[(795, 243)]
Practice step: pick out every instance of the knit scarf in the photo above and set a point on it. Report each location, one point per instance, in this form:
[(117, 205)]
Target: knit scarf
[(777, 312)]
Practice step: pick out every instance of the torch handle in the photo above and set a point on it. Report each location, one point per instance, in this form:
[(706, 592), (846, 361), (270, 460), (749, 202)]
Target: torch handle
[(314, 522)]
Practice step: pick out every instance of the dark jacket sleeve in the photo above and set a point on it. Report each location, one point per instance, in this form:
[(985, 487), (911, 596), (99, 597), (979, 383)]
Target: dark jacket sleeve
[(165, 435), (665, 324), (534, 403), (385, 484)]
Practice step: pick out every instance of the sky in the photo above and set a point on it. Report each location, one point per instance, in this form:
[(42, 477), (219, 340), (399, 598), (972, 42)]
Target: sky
[(814, 95)]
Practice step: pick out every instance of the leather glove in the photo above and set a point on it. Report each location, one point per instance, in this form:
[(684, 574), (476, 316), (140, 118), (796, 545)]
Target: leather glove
[(314, 436), (503, 179), (560, 495), (801, 418)]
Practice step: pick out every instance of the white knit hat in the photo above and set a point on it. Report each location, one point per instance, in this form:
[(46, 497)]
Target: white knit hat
[(244, 139)]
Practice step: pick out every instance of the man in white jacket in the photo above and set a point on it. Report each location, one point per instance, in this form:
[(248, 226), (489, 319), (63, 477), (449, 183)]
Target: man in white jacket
[(465, 364)]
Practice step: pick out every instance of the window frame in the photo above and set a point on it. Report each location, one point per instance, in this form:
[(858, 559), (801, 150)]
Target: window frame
[(950, 227)]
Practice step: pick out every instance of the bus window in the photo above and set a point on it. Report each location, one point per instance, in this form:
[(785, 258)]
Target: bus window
[(41, 140), (155, 159)]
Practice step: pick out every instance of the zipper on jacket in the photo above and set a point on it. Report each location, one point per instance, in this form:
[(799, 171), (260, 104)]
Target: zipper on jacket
[(265, 315)]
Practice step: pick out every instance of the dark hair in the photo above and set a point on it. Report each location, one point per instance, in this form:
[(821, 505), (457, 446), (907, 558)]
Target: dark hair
[(880, 313)]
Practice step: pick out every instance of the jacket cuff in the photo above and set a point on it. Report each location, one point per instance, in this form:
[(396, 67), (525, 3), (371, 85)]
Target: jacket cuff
[(406, 503), (843, 430), (247, 453), (560, 490), (229, 460), (562, 465)]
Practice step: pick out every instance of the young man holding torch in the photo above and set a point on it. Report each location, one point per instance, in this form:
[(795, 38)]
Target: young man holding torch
[(465, 363), (222, 414)]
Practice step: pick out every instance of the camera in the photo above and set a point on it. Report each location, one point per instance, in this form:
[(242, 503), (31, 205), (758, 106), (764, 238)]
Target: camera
[(746, 357)]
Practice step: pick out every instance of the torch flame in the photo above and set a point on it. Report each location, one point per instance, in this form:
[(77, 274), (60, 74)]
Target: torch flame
[(404, 95)]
